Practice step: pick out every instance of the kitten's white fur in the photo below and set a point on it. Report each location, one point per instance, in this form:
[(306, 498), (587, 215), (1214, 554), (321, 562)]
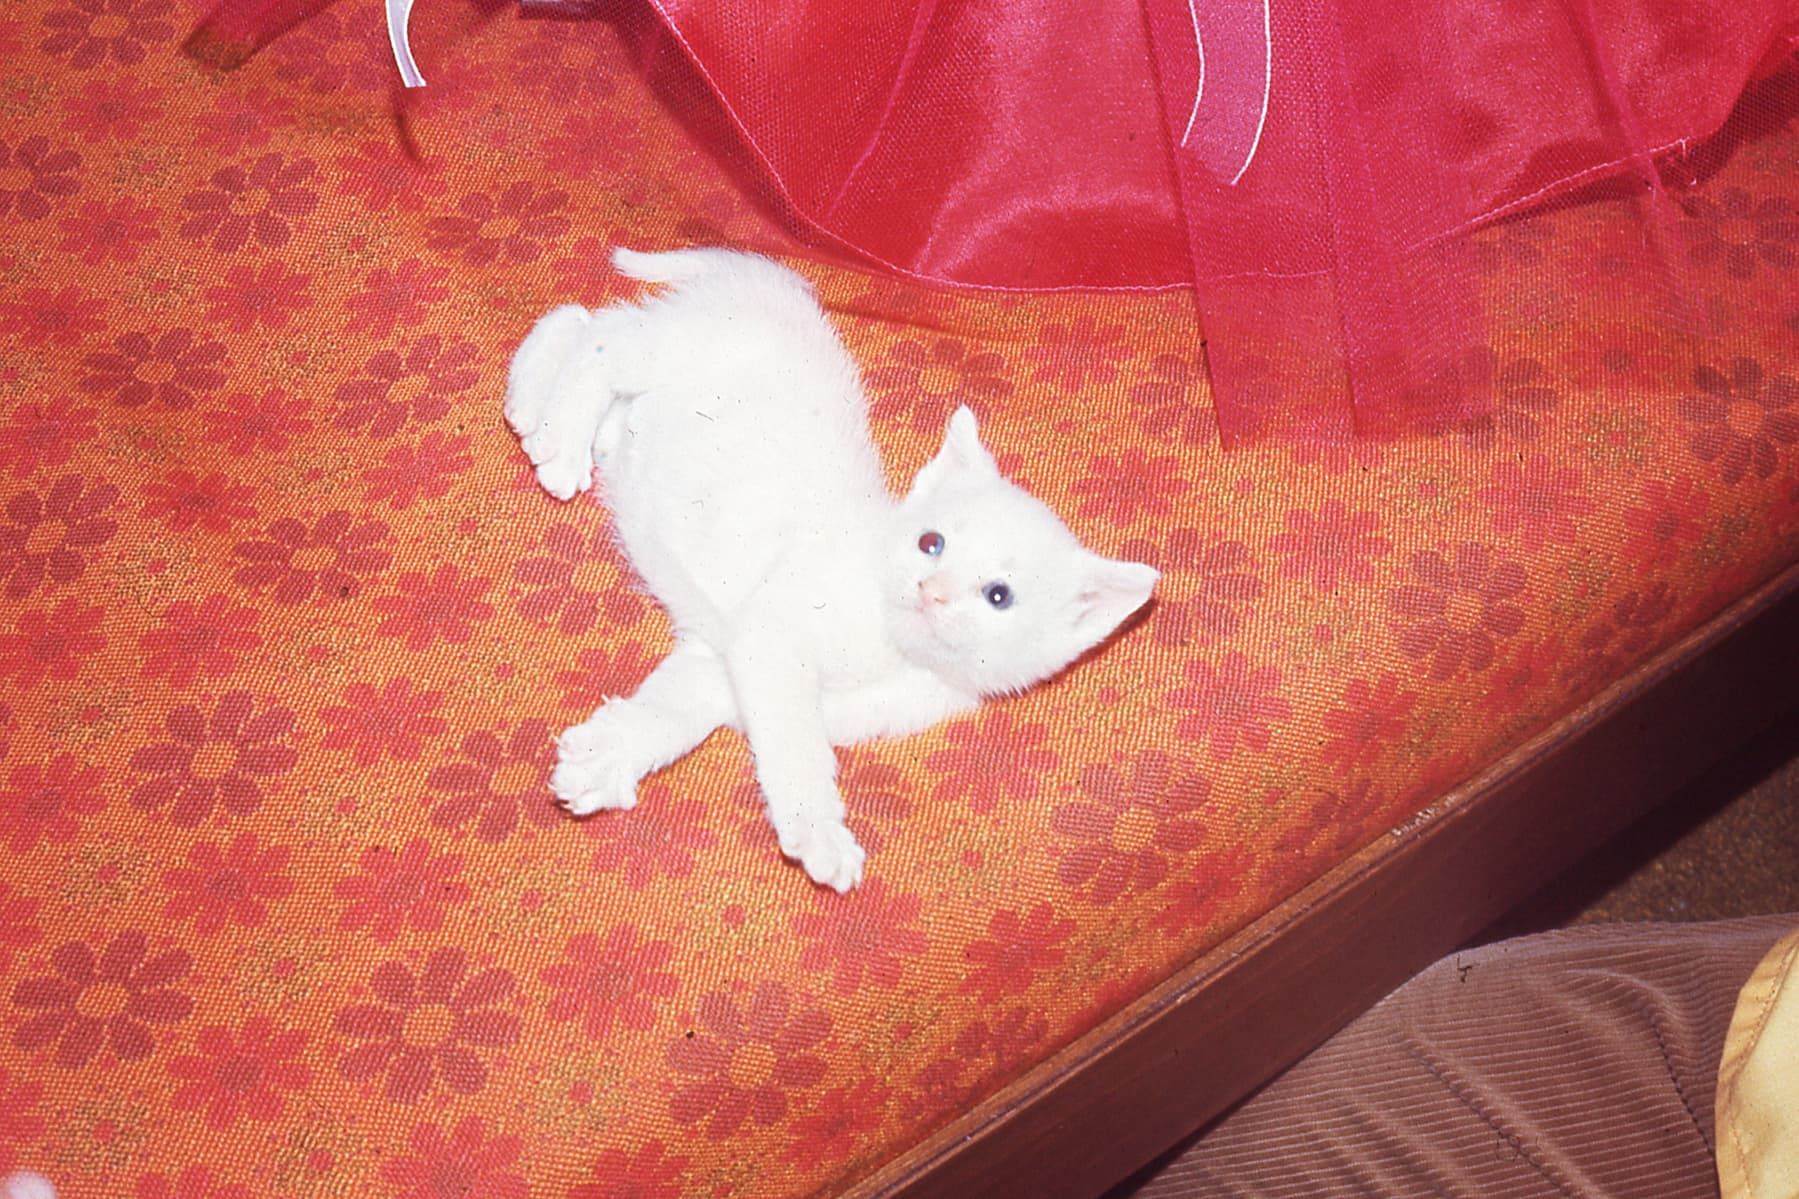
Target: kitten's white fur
[(730, 430)]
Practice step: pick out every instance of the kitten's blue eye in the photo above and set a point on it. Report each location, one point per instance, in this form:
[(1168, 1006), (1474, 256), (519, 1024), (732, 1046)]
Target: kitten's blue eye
[(998, 594), (931, 543)]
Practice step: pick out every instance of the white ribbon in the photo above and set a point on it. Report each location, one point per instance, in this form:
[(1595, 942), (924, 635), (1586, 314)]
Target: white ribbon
[(398, 13)]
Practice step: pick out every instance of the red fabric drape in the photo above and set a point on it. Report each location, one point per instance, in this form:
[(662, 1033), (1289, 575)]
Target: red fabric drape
[(1314, 189), (1311, 168)]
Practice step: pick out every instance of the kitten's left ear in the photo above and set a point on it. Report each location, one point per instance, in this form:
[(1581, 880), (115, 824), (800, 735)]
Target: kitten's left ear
[(962, 452), (1109, 591)]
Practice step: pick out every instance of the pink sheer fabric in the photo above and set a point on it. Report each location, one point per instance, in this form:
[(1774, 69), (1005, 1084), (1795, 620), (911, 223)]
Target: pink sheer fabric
[(1309, 167)]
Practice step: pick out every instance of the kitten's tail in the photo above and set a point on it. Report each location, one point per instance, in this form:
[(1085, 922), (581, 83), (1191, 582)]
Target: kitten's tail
[(684, 266)]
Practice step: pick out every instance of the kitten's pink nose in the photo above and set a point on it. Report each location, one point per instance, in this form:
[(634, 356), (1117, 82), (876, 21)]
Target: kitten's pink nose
[(933, 591)]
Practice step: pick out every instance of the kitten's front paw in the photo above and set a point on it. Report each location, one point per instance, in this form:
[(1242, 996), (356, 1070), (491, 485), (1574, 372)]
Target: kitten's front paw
[(828, 853), (588, 777)]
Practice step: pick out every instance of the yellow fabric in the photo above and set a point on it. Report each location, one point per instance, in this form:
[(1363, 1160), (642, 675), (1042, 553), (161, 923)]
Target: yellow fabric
[(1758, 1083)]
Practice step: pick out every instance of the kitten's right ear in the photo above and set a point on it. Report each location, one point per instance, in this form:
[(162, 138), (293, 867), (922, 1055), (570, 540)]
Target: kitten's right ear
[(962, 453)]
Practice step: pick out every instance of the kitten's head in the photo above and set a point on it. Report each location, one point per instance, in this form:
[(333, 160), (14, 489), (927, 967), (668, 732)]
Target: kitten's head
[(985, 586)]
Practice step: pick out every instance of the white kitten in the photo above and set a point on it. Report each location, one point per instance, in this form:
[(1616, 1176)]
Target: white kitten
[(810, 607)]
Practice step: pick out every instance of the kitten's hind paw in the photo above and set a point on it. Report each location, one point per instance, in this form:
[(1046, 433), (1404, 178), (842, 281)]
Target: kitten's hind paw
[(827, 852)]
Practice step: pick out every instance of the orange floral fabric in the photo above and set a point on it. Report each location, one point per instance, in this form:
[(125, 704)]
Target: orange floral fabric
[(286, 627)]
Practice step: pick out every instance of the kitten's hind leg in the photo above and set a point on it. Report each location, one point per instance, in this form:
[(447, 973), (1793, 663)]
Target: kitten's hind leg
[(531, 378), (600, 761), (558, 422)]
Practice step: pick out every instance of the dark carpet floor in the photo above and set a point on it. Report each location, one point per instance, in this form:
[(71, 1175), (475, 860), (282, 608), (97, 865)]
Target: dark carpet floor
[(1726, 845)]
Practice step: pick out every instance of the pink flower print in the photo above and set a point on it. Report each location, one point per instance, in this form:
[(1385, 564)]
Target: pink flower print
[(465, 1163), (90, 33), (396, 299), (182, 501), (241, 120), (1125, 833), (270, 296), (1330, 546), (329, 561), (844, 1118), (107, 999), (45, 802), (428, 1027), (1173, 404), (1531, 665), (416, 384), (196, 640), (45, 434), (991, 760), (921, 382), (51, 643), (601, 674), (230, 885), (1078, 354), (442, 606), (1669, 521), (1203, 885), (385, 176), (618, 980), (497, 778), (649, 1172), (584, 274), (102, 233), (41, 317), (195, 1182), (20, 1125), (560, 71), (1212, 587), (662, 840), (865, 942), (242, 1073), (575, 580), (1621, 360), (112, 109), (1458, 608), (258, 204), (1740, 232), (1230, 704), (221, 761), (1524, 396), (590, 139), (1539, 501), (425, 471), (330, 52), (1122, 487), (746, 1060), (169, 368), (514, 226), (1016, 948), (1373, 716), (1610, 647), (1741, 420), (18, 931), (394, 721), (48, 175), (245, 423), (43, 535), (411, 887)]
